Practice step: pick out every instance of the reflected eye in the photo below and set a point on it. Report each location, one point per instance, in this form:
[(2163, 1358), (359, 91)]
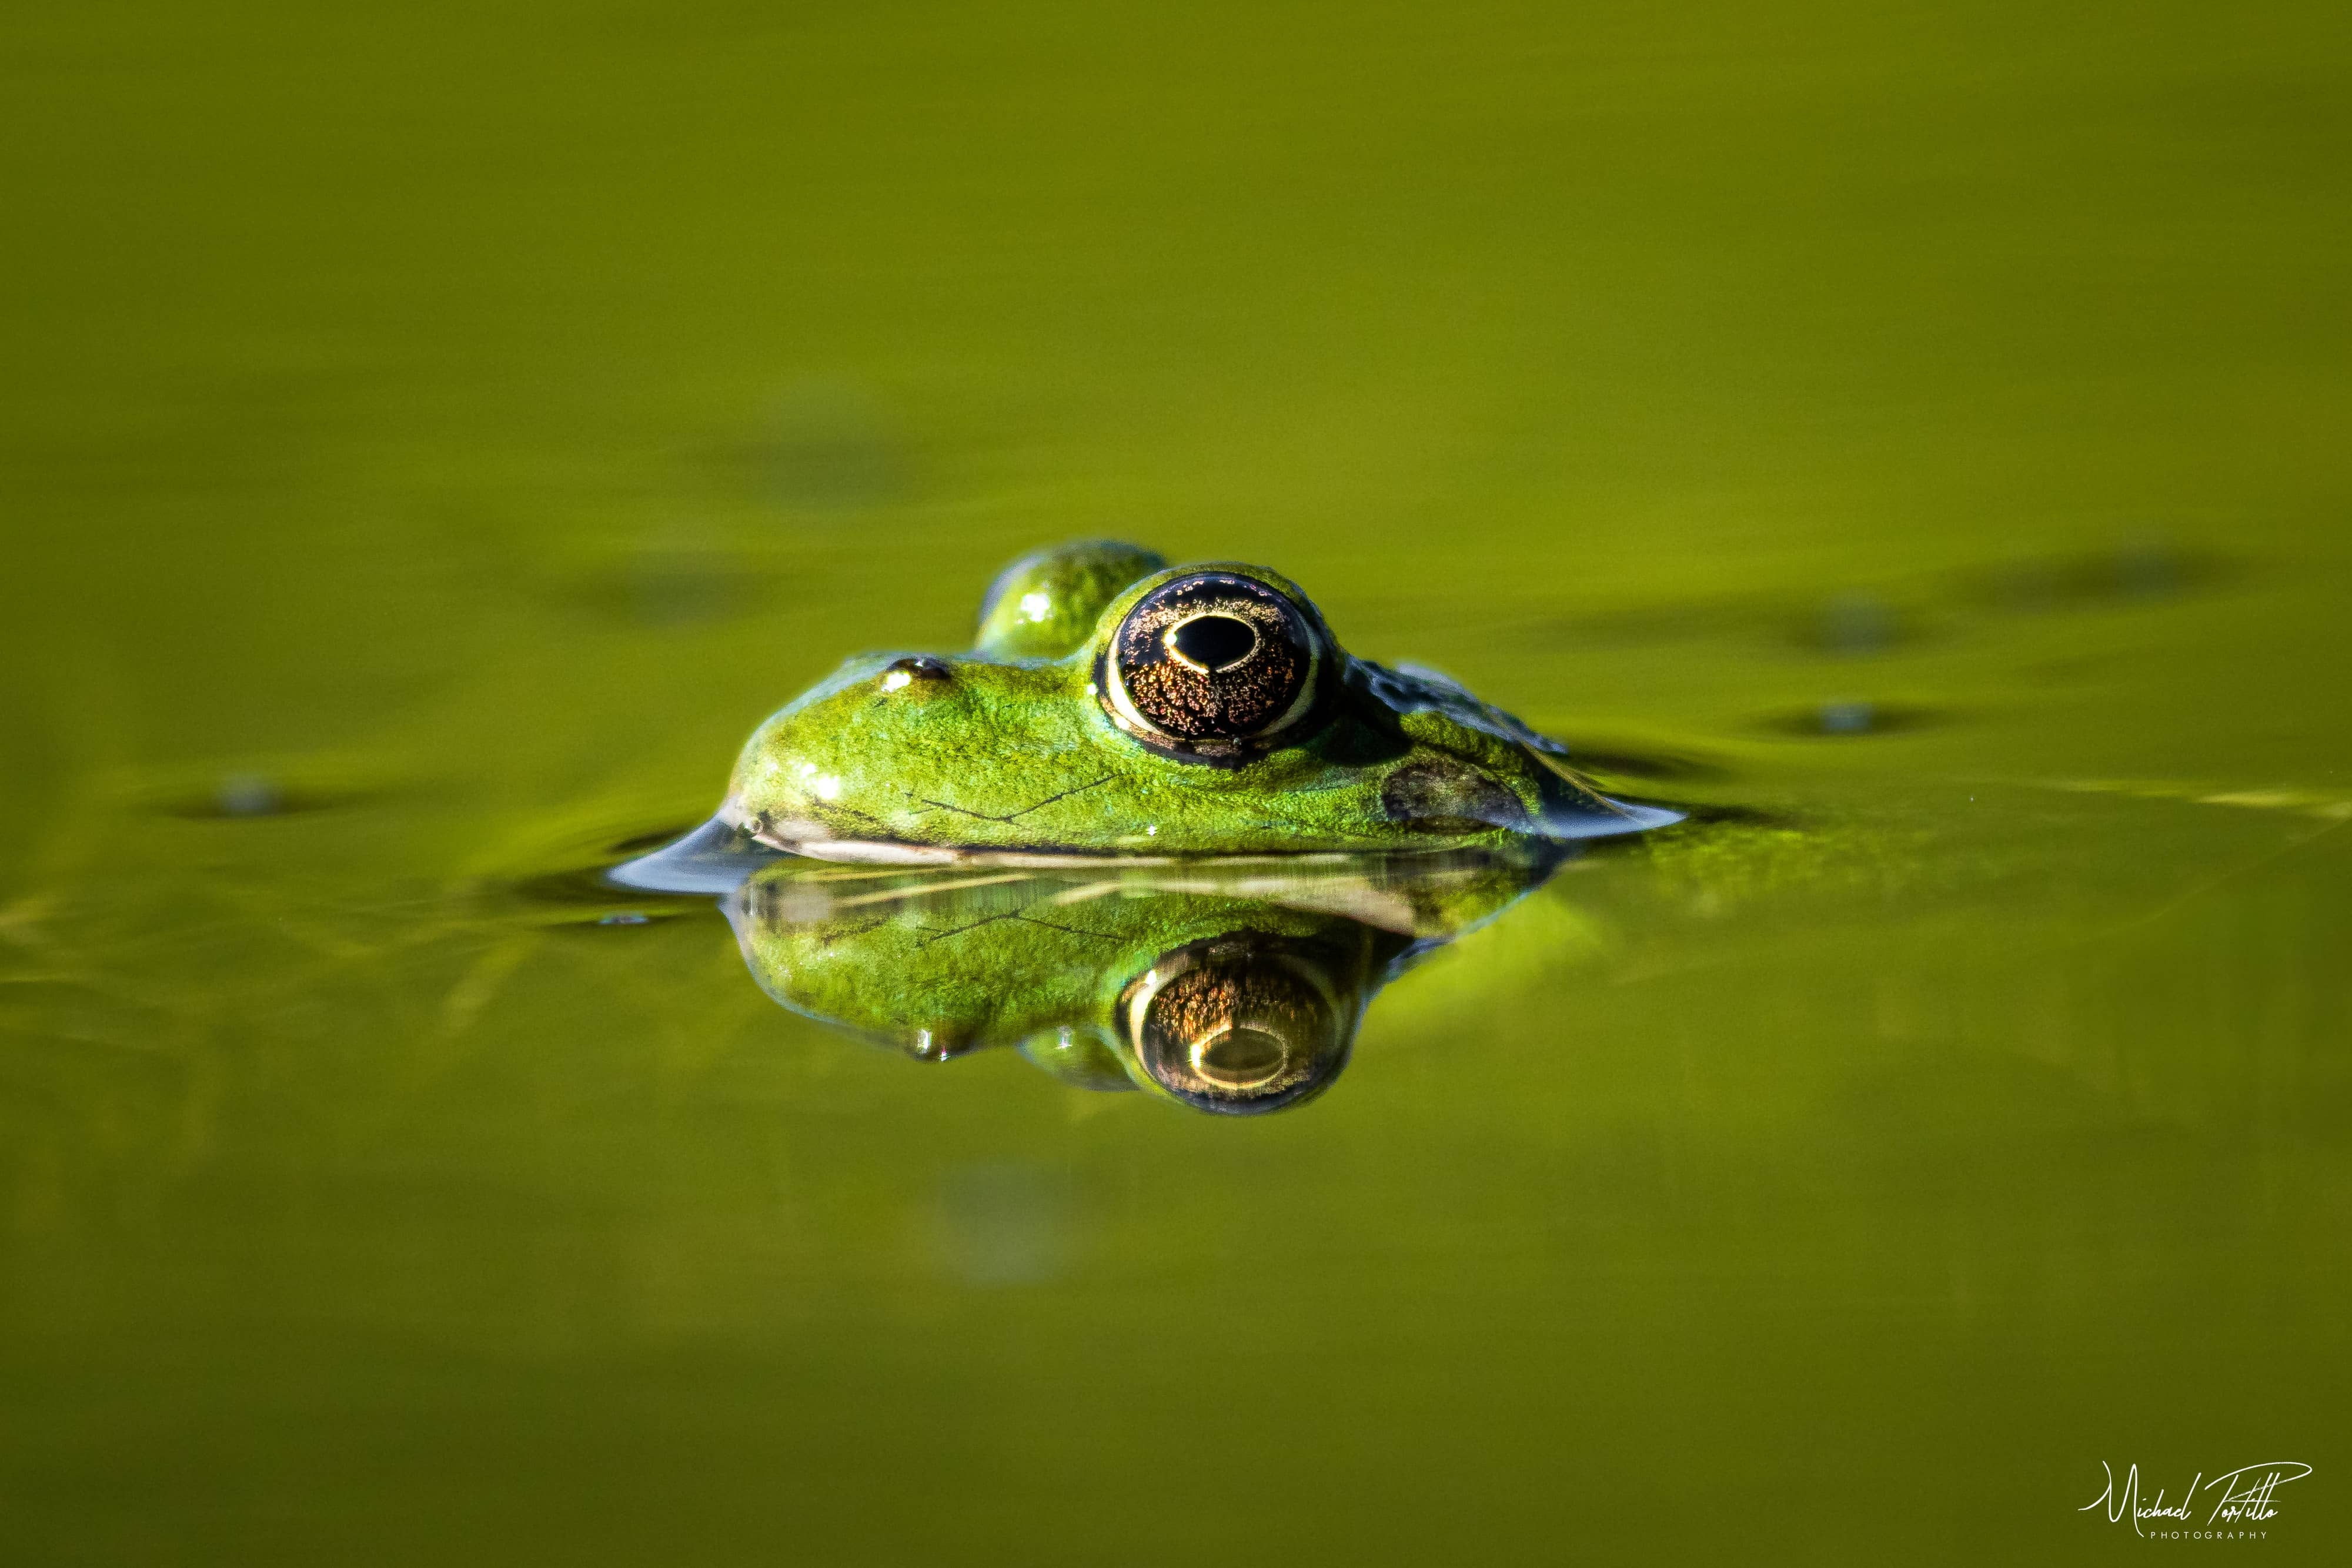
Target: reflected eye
[(1212, 662), (1230, 1025)]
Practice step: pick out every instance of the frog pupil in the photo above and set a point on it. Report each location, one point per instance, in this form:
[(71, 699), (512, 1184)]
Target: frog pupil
[(1213, 643)]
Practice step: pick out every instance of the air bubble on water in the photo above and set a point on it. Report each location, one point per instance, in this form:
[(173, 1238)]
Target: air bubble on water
[(249, 795), (1848, 718)]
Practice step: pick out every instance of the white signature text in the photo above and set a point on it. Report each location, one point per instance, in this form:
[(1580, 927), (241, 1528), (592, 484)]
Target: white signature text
[(2239, 1497)]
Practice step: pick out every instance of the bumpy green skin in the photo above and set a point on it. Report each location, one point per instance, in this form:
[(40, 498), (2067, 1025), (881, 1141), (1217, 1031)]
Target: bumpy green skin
[(1045, 603), (943, 962), (1009, 751)]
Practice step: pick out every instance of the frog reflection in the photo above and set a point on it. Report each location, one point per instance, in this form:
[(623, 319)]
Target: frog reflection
[(1233, 988)]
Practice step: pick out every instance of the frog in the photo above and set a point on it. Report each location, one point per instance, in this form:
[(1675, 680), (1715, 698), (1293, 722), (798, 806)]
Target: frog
[(1116, 706), (1226, 986)]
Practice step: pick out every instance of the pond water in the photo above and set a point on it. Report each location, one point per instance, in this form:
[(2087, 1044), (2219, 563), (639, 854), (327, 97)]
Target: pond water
[(1912, 446)]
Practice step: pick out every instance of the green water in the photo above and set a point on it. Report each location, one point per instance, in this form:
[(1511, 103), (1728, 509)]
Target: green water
[(430, 441)]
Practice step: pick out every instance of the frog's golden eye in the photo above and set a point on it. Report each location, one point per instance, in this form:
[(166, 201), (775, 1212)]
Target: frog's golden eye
[(1212, 665), (1234, 1025)]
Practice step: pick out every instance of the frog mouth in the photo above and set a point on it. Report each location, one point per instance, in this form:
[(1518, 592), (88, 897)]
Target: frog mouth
[(724, 853), (720, 856), (831, 830), (846, 833)]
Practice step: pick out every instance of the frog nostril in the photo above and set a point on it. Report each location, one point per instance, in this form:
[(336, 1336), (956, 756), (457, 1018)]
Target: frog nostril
[(1213, 643), (902, 673)]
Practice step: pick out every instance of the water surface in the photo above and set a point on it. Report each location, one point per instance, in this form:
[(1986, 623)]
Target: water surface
[(433, 442)]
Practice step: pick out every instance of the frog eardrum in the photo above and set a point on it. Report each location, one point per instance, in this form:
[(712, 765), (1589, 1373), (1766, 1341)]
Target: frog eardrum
[(1215, 665)]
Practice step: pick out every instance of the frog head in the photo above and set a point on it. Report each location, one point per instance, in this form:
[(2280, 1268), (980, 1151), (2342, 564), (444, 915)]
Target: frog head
[(1115, 706)]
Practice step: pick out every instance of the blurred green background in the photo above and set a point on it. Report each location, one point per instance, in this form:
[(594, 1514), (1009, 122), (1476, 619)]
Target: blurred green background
[(432, 438)]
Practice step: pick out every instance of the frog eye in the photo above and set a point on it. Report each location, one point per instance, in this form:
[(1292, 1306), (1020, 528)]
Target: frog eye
[(1212, 662), (1231, 1025)]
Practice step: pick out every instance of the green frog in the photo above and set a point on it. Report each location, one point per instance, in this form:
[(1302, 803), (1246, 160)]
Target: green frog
[(1116, 706)]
